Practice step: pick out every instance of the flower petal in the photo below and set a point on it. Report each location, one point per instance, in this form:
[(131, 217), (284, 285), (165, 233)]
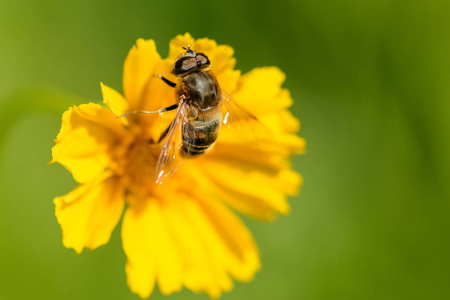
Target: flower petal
[(274, 136), (181, 241), (150, 249), (237, 240), (155, 95), (222, 62), (176, 45), (222, 65), (89, 139), (260, 91), (90, 212), (138, 69), (257, 191), (114, 100), (216, 244)]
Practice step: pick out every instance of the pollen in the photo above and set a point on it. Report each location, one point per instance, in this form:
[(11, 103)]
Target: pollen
[(141, 165)]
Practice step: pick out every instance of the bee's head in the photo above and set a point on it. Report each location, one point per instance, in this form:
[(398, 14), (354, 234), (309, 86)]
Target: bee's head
[(190, 61)]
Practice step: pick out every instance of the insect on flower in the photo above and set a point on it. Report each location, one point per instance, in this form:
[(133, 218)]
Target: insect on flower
[(183, 233), (199, 112)]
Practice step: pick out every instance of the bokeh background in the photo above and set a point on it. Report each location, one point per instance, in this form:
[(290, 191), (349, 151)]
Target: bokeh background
[(371, 84)]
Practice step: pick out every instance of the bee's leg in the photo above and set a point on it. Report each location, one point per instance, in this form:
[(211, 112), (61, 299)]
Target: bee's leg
[(169, 83), (159, 111), (169, 108)]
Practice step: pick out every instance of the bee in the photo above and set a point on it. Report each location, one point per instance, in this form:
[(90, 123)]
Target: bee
[(199, 112)]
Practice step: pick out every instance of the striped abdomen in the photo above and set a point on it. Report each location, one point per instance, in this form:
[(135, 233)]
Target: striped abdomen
[(199, 136)]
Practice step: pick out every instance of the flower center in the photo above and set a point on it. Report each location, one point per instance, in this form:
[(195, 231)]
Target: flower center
[(142, 160)]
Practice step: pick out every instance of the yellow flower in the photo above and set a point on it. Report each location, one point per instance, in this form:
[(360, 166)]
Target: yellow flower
[(182, 232)]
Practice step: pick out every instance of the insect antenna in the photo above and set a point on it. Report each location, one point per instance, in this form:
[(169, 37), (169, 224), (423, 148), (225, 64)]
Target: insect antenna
[(188, 49)]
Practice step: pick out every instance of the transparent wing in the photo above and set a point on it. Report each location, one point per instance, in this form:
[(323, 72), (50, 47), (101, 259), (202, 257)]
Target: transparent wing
[(169, 161), (241, 121)]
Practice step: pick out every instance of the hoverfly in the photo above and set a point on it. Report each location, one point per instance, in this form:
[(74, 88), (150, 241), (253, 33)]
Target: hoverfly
[(199, 112)]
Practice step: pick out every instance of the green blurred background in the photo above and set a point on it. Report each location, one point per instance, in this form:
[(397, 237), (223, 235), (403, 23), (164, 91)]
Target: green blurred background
[(371, 84)]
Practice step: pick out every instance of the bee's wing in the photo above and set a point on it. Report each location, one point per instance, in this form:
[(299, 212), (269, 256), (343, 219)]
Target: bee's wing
[(242, 121), (169, 161)]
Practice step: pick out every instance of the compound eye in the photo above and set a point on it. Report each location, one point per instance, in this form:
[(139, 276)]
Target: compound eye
[(204, 61), (184, 64), (189, 63)]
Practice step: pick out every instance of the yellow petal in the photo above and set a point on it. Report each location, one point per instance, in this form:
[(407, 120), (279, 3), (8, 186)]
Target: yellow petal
[(260, 91), (251, 189), (150, 249), (222, 65), (268, 141), (176, 45), (270, 149), (179, 241), (89, 138), (155, 95), (114, 100), (90, 212), (216, 244), (280, 121), (222, 62), (138, 69)]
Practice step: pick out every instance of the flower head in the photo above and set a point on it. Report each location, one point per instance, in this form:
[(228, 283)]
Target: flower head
[(182, 232)]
